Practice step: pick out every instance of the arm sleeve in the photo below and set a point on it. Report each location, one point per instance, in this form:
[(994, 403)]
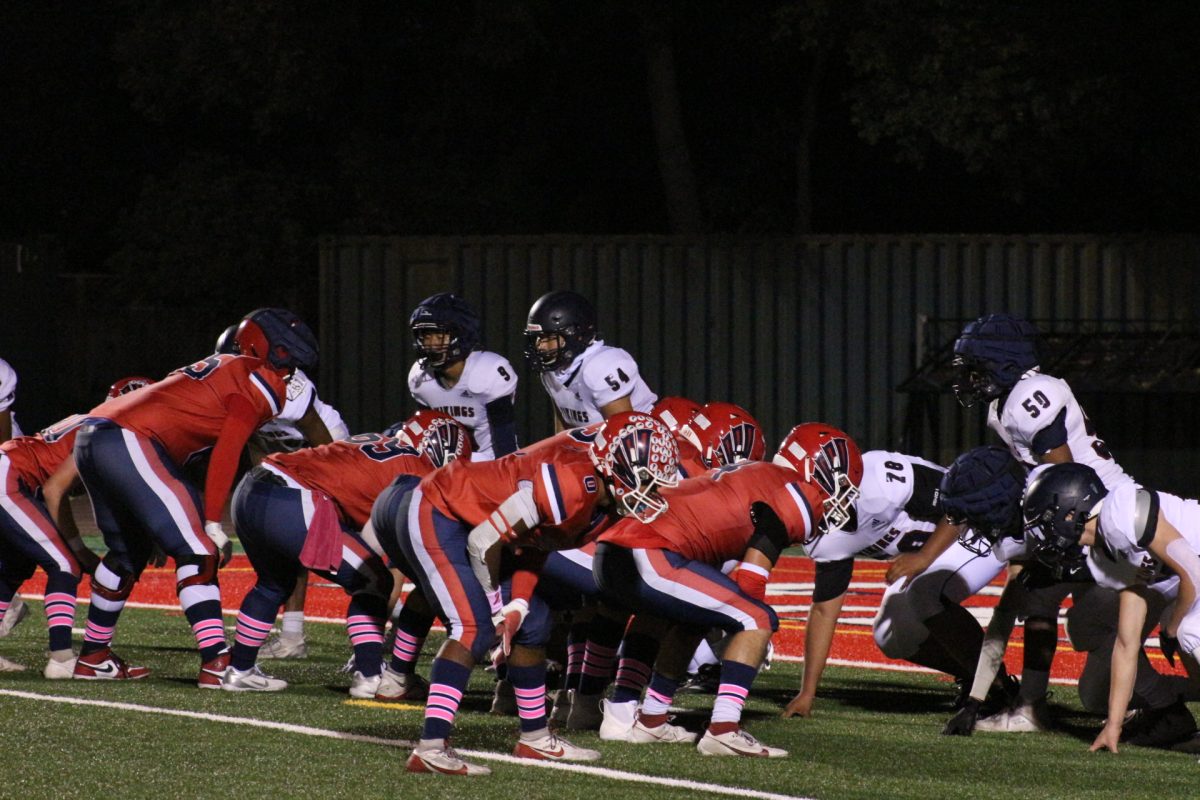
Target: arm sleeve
[(525, 577), (502, 421), (240, 422), (1052, 436), (833, 579)]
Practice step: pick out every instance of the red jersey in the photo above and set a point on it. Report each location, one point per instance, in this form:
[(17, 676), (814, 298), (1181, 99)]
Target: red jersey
[(708, 518), (185, 411), (352, 471), (566, 489), (36, 458)]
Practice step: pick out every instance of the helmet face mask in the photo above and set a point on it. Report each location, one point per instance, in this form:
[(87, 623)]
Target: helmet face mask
[(636, 457), (830, 459), (982, 491), (1058, 503), (560, 326), (973, 381), (990, 356), (445, 330)]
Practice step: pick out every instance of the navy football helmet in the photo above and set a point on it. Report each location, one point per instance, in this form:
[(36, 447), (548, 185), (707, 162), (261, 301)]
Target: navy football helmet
[(990, 356), (1058, 502), (564, 318), (227, 342), (279, 337), (982, 490), (448, 314)]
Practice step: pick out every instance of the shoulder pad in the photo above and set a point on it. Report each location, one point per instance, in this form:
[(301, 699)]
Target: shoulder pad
[(605, 361), (886, 483), (1145, 516), (490, 375)]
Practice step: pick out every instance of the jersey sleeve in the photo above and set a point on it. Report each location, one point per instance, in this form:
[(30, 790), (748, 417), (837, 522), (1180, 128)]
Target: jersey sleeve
[(8, 385), (798, 506), (300, 395), (1039, 414), (492, 376), (1124, 517), (562, 492), (610, 375)]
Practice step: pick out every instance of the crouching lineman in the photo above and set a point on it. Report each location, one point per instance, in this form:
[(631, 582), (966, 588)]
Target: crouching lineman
[(130, 453), (307, 510), (1145, 544), (464, 516), (671, 567)]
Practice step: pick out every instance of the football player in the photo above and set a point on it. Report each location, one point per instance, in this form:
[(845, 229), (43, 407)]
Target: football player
[(588, 380), (306, 420), (748, 512), (459, 520), (452, 375), (37, 528), (307, 510), (8, 395), (1144, 543), (896, 512), (130, 453), (1038, 418)]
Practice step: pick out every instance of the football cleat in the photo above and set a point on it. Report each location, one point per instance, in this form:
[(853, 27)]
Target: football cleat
[(550, 747), (397, 687), (736, 743), (1022, 719), (364, 687), (442, 761), (212, 672), (1161, 727), (17, 611), (105, 665), (706, 680), (251, 680), (10, 666), (666, 733), (618, 720), (284, 645), (585, 713), (56, 670)]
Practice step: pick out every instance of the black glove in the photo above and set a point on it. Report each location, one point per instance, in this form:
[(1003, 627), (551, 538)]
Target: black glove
[(1169, 646), (963, 723)]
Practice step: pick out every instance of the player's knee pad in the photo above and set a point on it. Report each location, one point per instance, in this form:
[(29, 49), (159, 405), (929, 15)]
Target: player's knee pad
[(898, 629), (112, 581), (196, 570)]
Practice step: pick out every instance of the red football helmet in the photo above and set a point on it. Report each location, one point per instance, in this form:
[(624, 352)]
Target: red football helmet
[(278, 337), (674, 412), (127, 385), (439, 436), (725, 433), (636, 456), (828, 458)]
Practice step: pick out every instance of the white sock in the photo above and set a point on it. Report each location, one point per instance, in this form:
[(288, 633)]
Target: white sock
[(293, 623)]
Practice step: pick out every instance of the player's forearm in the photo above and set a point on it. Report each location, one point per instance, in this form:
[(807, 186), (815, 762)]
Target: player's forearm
[(1124, 670), (818, 641)]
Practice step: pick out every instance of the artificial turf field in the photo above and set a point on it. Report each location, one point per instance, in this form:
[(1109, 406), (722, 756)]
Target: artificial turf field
[(874, 733)]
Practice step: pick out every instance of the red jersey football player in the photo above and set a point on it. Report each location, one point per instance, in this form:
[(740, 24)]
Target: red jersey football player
[(675, 412), (131, 452), (37, 528), (748, 511), (546, 498), (308, 510)]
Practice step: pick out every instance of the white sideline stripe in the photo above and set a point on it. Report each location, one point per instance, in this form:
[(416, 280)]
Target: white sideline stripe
[(305, 730)]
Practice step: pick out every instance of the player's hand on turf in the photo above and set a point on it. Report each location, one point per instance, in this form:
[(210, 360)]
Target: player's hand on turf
[(1110, 736), (905, 565), (963, 722), (800, 706)]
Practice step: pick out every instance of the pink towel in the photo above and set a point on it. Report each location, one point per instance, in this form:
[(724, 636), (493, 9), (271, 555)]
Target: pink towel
[(323, 546)]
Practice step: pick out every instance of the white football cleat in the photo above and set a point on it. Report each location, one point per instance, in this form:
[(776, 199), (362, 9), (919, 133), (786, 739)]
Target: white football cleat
[(285, 645), (1022, 719), (251, 680), (56, 670), (442, 761), (364, 686), (664, 733), (737, 743), (397, 687), (550, 747), (11, 666), (618, 720), (17, 611)]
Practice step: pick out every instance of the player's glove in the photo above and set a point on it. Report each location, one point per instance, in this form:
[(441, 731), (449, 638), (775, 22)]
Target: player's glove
[(963, 722), (1169, 646), (508, 622), (217, 534)]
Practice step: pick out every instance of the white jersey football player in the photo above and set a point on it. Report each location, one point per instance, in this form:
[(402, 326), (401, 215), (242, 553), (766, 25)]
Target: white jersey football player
[(9, 429), (476, 387), (588, 380), (919, 619), (1144, 543)]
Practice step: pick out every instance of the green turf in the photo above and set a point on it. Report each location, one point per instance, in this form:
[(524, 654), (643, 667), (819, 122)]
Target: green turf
[(874, 735)]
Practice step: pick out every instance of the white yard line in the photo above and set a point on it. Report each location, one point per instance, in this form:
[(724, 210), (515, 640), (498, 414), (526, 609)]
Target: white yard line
[(305, 730)]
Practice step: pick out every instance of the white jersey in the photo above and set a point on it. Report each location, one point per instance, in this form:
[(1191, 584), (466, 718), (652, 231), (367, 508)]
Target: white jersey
[(1126, 526), (598, 376), (486, 377), (281, 433), (8, 393), (893, 485), (1041, 413)]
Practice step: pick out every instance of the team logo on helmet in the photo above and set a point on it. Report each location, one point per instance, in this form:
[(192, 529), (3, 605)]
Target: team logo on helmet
[(636, 456), (725, 434), (438, 435)]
